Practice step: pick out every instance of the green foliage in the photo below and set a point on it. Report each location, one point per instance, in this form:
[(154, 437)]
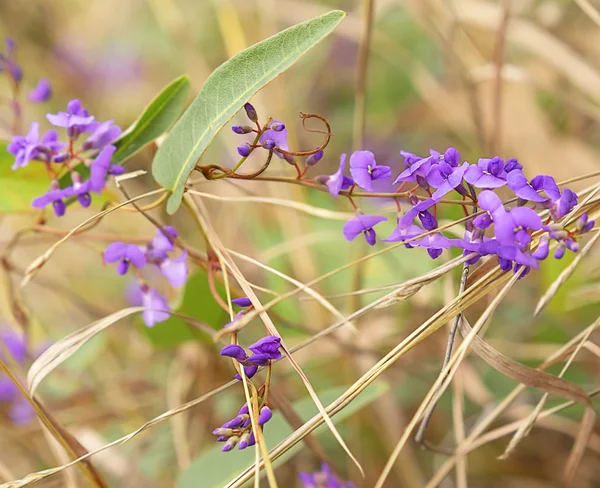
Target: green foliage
[(198, 303), (224, 93), (21, 186), (156, 119), (214, 469)]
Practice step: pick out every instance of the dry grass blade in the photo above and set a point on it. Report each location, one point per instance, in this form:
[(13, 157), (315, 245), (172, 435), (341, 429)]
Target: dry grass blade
[(322, 213), (217, 245), (586, 427), (40, 475), (471, 296), (447, 373), (318, 297), (37, 264), (590, 11), (564, 276), (61, 350)]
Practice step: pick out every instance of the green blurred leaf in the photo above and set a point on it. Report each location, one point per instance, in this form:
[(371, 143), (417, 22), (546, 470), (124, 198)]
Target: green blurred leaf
[(197, 302), (214, 469), (21, 186), (224, 93), (156, 119)]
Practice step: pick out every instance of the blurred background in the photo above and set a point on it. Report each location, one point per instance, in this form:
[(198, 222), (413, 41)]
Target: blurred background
[(511, 78)]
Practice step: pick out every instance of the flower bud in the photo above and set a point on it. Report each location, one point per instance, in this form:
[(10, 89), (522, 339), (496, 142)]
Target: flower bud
[(242, 302), (560, 251), (60, 158), (234, 423), (230, 444), (251, 112), (265, 415), (244, 441), (314, 158), (244, 150), (277, 126), (221, 431), (268, 144), (242, 129)]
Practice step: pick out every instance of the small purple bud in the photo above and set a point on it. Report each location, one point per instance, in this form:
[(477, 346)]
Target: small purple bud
[(244, 150), (242, 302), (314, 158), (422, 182), (244, 441), (60, 158), (59, 207), (268, 144), (85, 199), (249, 370), (123, 267), (413, 200), (251, 112), (482, 221), (434, 253), (241, 129), (244, 410), (572, 245), (589, 226), (428, 220), (277, 126), (221, 438), (265, 415), (247, 423), (252, 440), (234, 423), (511, 165), (560, 251), (543, 248), (505, 264)]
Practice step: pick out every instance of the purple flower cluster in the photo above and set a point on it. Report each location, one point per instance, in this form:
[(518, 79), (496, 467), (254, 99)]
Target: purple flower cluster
[(95, 152), (20, 410), (263, 351), (238, 431), (323, 479), (157, 253), (517, 235)]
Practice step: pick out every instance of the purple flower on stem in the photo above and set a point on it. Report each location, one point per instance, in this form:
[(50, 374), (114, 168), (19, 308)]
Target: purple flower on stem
[(584, 224), (337, 181), (157, 308), (175, 270), (279, 139), (234, 351), (314, 158), (517, 182), (41, 93), (365, 171), (416, 168), (445, 178), (54, 196), (101, 168), (268, 345), (29, 147), (487, 173), (80, 189), (265, 415), (103, 134), (122, 253), (76, 119), (560, 204), (363, 224)]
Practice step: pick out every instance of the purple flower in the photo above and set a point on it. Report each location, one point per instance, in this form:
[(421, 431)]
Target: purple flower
[(584, 224), (242, 302), (279, 138), (21, 411), (29, 147), (434, 243), (41, 93), (560, 204), (54, 196), (103, 134), (244, 150), (268, 345), (487, 173), (416, 167), (445, 178), (175, 270), (234, 351), (242, 129), (157, 308), (517, 182), (124, 254), (163, 241), (337, 181), (363, 224), (76, 119), (101, 168), (314, 158), (365, 171), (251, 112), (7, 62)]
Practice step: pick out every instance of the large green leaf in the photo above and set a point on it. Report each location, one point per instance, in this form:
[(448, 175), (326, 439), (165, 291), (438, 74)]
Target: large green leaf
[(226, 90), (214, 469), (156, 119), (21, 186), (198, 303)]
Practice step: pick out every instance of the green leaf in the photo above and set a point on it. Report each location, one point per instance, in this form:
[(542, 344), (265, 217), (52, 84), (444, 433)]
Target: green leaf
[(21, 186), (157, 118), (227, 89), (214, 469), (197, 302)]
